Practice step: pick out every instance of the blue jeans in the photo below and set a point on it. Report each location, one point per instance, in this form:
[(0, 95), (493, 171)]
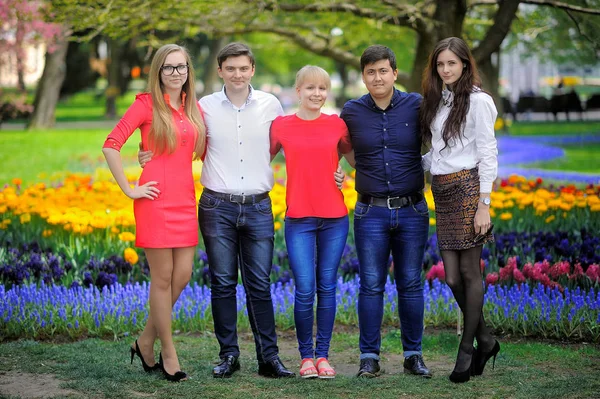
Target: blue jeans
[(315, 247), (236, 234), (377, 230)]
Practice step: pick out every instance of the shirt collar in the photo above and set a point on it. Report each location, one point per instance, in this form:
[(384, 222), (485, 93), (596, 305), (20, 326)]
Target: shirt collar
[(369, 102), (168, 99), (225, 99)]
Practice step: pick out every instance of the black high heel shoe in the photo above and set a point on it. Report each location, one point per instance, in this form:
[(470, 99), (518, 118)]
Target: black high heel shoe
[(463, 376), (136, 351), (483, 357), (178, 376)]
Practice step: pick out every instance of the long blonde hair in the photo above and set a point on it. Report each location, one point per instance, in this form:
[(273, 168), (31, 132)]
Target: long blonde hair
[(162, 132)]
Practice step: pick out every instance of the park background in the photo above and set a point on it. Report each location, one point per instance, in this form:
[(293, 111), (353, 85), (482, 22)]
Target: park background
[(73, 288)]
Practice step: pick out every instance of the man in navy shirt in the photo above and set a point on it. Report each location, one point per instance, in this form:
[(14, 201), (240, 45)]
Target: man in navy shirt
[(391, 214)]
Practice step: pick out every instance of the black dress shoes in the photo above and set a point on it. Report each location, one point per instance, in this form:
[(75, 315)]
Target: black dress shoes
[(229, 365), (368, 368), (274, 369), (415, 365)]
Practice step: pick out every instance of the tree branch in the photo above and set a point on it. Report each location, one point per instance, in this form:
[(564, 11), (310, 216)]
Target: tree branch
[(585, 36), (406, 15), (498, 31), (321, 47), (548, 3)]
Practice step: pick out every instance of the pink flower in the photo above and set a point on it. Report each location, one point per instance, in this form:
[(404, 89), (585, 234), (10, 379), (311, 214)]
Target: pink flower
[(545, 280), (506, 272), (593, 272), (491, 278), (512, 262), (545, 266), (528, 270), (577, 272), (518, 276), (559, 269), (482, 265), (436, 271)]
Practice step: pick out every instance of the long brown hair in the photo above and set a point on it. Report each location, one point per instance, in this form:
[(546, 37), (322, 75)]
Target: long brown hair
[(162, 134), (468, 82)]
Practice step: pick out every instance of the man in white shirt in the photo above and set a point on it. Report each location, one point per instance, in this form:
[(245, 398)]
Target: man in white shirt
[(234, 211)]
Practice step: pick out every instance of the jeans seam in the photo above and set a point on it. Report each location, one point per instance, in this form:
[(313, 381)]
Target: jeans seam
[(251, 305)]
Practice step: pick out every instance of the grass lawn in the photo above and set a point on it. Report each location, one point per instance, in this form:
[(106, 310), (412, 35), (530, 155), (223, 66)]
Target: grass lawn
[(578, 158), (99, 368), (39, 156), (87, 106), (554, 128)]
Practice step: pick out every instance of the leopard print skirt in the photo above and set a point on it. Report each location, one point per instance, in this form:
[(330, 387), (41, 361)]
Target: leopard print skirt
[(456, 197)]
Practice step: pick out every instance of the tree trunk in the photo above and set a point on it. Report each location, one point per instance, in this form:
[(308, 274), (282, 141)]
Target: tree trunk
[(113, 89), (210, 76), (20, 54), (489, 69), (48, 89), (449, 17), (341, 99)]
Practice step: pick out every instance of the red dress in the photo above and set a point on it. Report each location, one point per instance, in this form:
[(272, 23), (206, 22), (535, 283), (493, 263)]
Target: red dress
[(168, 221)]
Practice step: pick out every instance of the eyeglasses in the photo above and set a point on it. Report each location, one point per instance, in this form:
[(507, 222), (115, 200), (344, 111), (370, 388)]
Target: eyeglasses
[(169, 70)]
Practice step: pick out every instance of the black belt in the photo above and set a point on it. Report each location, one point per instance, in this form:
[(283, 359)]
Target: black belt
[(239, 199), (391, 202)]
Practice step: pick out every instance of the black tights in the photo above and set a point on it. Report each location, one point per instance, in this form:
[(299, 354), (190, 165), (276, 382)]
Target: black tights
[(463, 276)]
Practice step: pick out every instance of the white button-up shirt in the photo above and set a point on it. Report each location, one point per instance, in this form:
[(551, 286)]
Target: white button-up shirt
[(476, 146), (237, 158)]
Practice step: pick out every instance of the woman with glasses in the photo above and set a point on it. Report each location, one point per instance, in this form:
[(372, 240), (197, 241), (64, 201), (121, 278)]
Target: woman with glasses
[(171, 126)]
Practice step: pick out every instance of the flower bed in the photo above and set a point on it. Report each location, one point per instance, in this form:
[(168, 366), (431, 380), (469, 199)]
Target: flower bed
[(74, 240), (31, 311)]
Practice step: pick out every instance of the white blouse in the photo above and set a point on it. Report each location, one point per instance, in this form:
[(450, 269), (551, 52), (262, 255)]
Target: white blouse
[(475, 147)]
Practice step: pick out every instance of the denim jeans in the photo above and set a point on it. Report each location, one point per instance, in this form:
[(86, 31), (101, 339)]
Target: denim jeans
[(315, 247), (403, 231), (236, 234)]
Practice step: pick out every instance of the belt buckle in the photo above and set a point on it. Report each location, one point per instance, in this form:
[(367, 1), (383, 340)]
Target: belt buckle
[(235, 198), (389, 205)]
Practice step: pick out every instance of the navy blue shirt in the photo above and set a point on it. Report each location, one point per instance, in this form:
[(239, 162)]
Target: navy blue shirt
[(387, 144)]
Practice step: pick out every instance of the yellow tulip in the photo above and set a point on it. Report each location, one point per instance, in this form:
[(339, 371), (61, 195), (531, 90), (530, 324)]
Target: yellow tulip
[(127, 236), (506, 216), (25, 218), (131, 256)]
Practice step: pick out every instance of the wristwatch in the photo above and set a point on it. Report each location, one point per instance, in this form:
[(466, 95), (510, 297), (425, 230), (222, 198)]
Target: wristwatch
[(485, 201)]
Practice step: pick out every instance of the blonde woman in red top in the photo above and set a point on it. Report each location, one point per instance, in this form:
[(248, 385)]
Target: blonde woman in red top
[(316, 222), (171, 125)]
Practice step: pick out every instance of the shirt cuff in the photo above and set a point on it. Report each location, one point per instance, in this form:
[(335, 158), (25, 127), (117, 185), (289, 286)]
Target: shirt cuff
[(485, 187), (112, 143)]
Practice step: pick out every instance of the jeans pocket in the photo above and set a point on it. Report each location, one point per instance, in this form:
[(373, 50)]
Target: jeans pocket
[(421, 208), (360, 210), (208, 202), (264, 207)]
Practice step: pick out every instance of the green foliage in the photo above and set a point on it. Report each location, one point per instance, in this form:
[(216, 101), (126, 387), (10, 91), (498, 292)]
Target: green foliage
[(555, 35)]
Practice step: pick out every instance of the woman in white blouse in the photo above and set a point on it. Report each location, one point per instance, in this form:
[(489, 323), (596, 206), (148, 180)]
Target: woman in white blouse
[(457, 119)]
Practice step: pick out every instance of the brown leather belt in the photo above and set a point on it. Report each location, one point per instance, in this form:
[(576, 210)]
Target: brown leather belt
[(391, 202), (238, 199)]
